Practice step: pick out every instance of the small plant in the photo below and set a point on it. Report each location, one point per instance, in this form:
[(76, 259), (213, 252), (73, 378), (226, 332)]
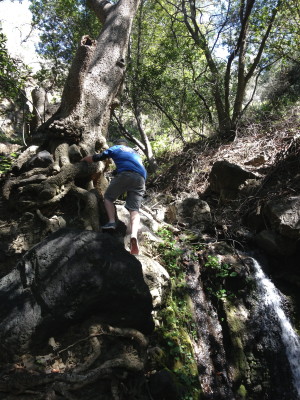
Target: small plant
[(212, 262), (222, 271), (6, 162), (170, 252), (177, 327)]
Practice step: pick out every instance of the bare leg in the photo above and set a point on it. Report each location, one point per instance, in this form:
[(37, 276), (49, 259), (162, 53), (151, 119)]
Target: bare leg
[(110, 209), (134, 224)]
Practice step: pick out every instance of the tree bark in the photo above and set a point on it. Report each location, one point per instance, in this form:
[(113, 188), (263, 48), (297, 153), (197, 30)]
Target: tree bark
[(79, 126), (94, 80), (229, 103)]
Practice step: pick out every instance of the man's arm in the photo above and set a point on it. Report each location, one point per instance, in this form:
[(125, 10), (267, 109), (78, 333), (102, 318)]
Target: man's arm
[(95, 158)]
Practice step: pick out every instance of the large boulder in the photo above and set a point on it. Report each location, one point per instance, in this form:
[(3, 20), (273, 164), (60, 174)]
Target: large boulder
[(157, 279), (155, 275), (284, 216), (190, 211), (226, 178), (67, 278), (275, 244), (282, 219)]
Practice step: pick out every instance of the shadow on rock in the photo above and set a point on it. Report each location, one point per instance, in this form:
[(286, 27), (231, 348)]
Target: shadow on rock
[(69, 277)]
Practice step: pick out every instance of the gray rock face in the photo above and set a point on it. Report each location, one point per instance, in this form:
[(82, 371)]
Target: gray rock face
[(284, 216), (191, 211), (157, 279), (71, 276)]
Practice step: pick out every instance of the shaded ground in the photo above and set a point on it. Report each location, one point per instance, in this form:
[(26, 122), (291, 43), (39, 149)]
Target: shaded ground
[(270, 149)]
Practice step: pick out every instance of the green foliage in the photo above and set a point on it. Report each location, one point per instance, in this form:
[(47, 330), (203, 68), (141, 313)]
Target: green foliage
[(237, 39), (62, 23), (177, 324), (13, 72), (176, 78), (6, 162), (170, 252), (220, 272), (242, 392), (160, 75), (224, 270), (282, 87)]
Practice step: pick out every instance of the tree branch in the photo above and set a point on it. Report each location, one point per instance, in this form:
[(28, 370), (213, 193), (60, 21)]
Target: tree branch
[(263, 42), (127, 134), (240, 46), (101, 8), (209, 114)]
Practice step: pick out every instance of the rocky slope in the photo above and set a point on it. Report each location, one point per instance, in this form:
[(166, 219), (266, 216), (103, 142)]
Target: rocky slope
[(203, 217)]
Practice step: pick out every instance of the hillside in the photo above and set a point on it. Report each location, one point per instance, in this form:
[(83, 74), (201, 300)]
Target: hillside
[(271, 149), (201, 283)]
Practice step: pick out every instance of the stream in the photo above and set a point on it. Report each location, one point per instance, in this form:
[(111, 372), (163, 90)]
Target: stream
[(266, 342), (272, 299)]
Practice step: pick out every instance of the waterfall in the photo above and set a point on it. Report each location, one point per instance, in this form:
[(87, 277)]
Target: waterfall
[(271, 297)]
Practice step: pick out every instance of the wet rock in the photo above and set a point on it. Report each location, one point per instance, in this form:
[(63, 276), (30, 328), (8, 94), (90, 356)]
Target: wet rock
[(275, 244)]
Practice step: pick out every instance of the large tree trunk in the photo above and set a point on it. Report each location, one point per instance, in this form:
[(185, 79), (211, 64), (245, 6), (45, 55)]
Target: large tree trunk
[(79, 126), (50, 188), (94, 79)]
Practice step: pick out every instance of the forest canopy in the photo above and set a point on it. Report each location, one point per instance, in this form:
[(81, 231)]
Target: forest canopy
[(194, 68), (206, 90)]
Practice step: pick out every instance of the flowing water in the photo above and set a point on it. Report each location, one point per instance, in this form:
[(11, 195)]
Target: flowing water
[(271, 347), (272, 298)]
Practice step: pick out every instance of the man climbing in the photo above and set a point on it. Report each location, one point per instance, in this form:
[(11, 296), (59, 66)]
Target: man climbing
[(130, 178)]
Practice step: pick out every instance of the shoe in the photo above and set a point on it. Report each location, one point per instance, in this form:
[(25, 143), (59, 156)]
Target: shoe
[(109, 225), (134, 247)]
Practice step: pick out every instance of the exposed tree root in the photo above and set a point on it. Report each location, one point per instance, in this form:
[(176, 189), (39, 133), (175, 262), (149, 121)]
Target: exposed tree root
[(21, 380), (36, 189), (96, 347), (90, 213), (52, 224), (61, 156)]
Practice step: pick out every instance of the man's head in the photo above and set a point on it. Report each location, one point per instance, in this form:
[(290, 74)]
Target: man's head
[(121, 141)]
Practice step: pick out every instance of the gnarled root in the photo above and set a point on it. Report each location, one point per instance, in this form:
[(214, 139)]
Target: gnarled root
[(129, 361), (90, 213)]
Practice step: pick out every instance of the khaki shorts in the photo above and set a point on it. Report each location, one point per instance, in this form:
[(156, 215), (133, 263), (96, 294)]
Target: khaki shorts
[(128, 182)]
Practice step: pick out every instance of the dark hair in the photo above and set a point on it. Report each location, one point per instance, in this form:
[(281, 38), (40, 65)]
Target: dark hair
[(119, 141)]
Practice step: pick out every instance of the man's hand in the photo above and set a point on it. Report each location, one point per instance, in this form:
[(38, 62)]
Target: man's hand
[(88, 159)]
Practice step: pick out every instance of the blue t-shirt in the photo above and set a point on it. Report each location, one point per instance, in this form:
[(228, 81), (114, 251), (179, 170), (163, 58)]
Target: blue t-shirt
[(125, 158)]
